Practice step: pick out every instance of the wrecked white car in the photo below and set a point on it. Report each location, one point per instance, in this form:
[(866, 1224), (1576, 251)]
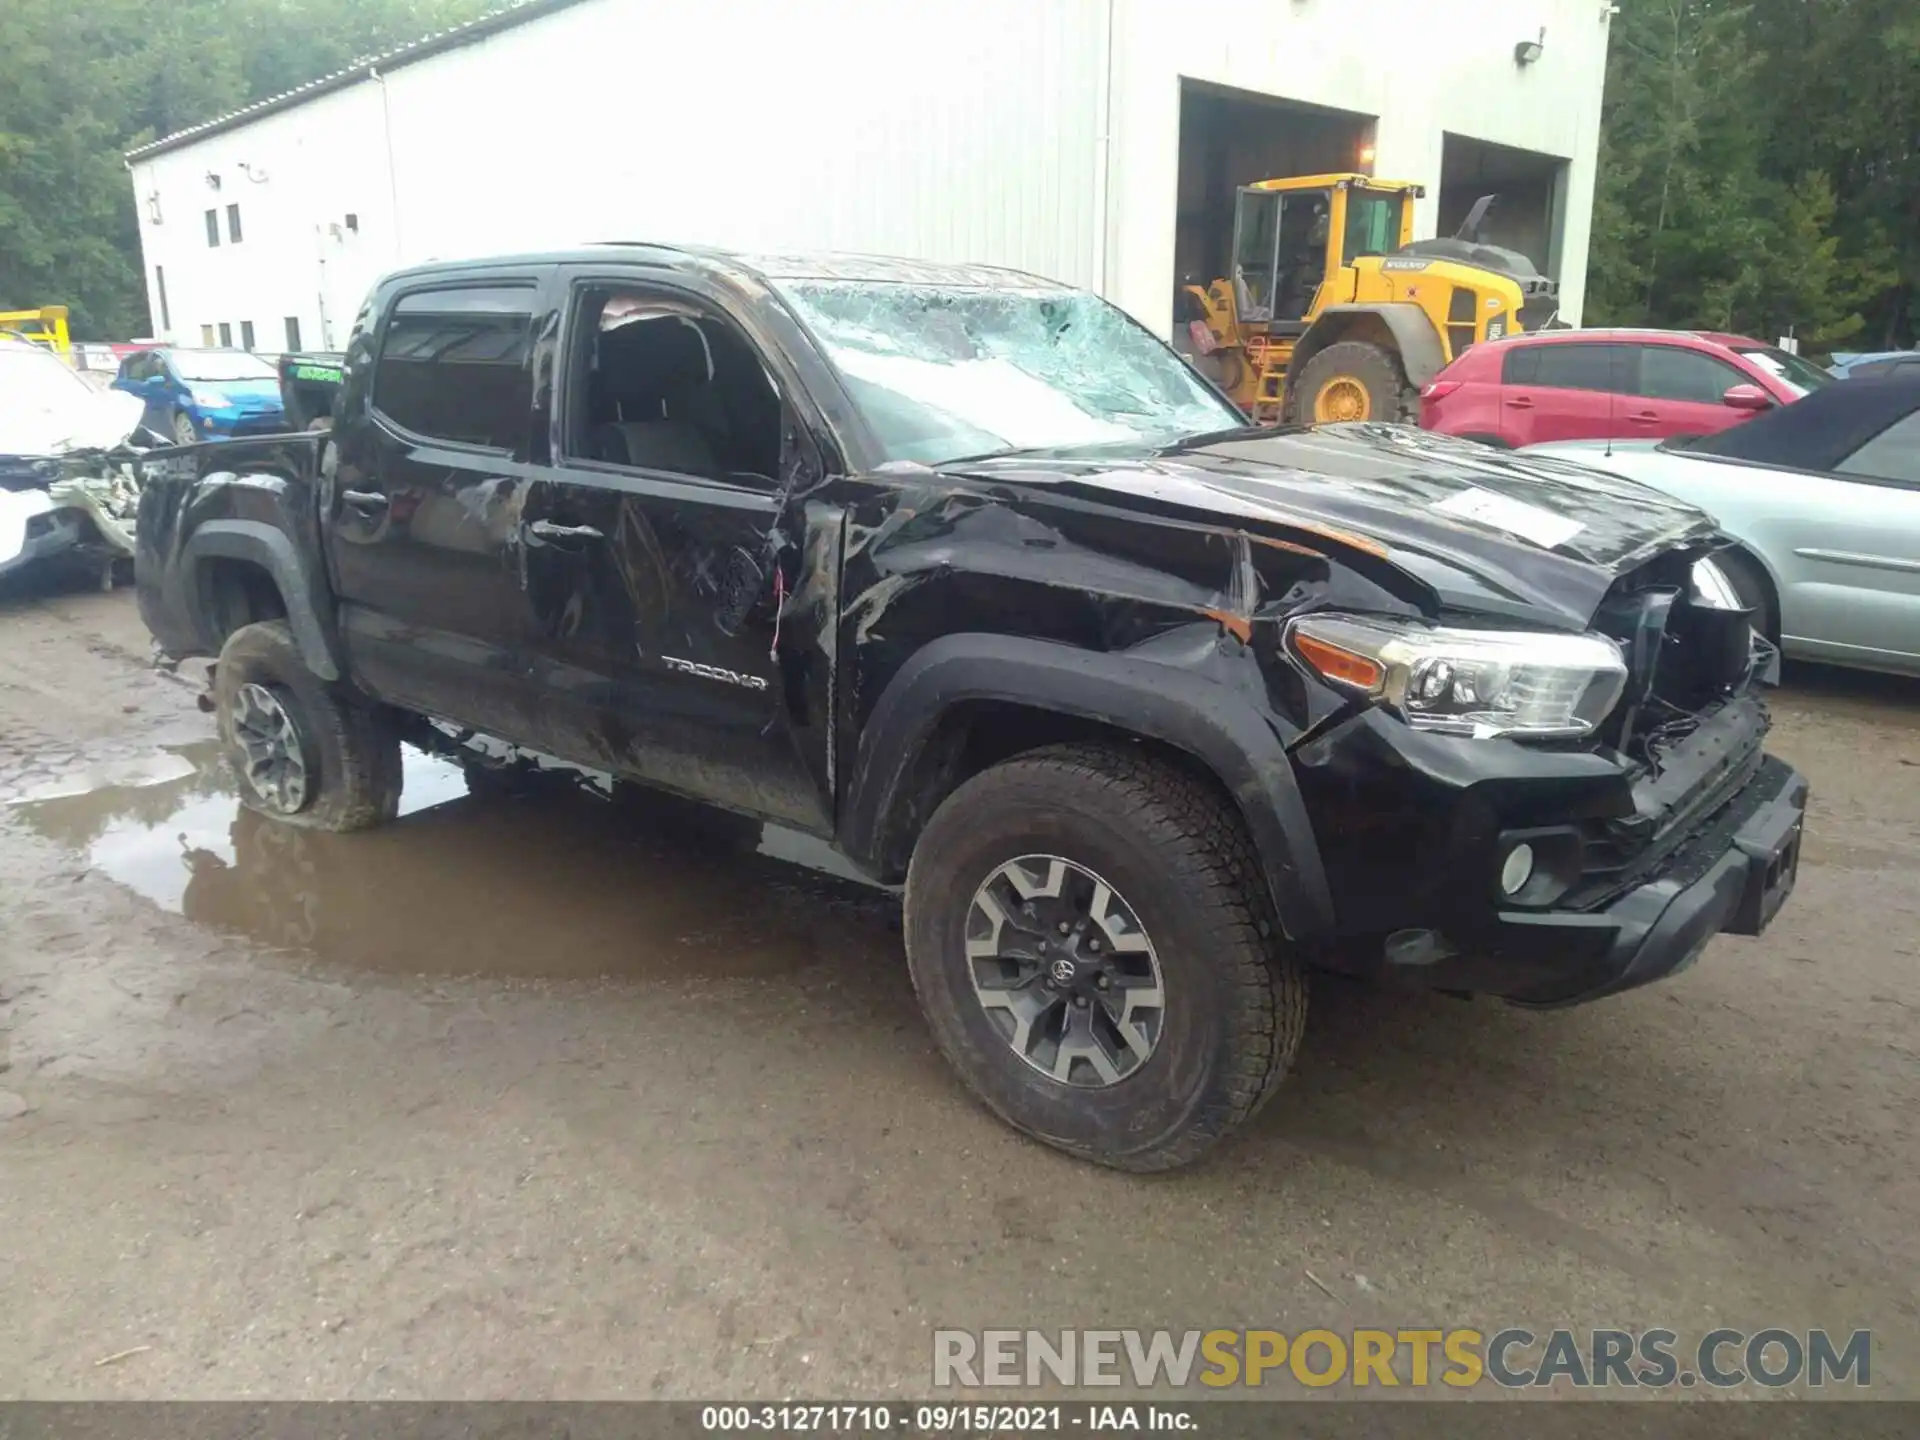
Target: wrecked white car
[(67, 486)]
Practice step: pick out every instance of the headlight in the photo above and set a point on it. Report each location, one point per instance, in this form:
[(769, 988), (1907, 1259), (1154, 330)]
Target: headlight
[(1481, 683), (1712, 590), (210, 399)]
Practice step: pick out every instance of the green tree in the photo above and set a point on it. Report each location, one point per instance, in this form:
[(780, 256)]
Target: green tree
[(87, 80), (1760, 169)]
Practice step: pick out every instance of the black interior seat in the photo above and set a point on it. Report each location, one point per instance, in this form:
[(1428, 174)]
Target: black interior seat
[(654, 403)]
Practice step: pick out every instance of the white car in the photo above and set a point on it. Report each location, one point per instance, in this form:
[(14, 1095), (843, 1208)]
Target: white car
[(61, 491), (1823, 498)]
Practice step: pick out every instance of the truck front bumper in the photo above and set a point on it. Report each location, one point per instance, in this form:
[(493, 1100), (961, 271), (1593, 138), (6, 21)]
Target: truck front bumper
[(1731, 879), (1645, 868)]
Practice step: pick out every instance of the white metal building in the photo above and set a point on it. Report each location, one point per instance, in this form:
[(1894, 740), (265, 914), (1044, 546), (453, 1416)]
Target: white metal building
[(1094, 141)]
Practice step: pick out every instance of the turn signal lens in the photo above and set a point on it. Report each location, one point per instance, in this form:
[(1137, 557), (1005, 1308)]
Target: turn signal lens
[(1341, 665)]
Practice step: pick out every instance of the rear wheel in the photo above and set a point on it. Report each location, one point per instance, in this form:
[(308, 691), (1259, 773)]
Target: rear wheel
[(1093, 944), (1350, 381), (303, 750)]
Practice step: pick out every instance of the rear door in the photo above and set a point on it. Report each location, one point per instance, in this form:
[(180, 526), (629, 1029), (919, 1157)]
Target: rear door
[(1566, 390), (424, 505), (1859, 543), (1680, 394)]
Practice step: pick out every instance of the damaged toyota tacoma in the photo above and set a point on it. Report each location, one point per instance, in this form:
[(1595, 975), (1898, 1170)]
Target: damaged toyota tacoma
[(965, 572)]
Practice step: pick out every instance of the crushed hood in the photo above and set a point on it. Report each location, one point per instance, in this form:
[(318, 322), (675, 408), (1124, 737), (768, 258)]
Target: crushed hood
[(1536, 539), (88, 420)]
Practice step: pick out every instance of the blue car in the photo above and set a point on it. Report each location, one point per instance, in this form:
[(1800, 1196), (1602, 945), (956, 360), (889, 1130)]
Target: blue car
[(1877, 362), (204, 394)]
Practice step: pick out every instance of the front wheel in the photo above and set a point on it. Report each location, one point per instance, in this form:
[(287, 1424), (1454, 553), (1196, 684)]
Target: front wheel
[(1349, 381), (303, 751), (182, 427), (1094, 947)]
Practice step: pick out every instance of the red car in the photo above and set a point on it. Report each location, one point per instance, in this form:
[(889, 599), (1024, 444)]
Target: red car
[(1611, 384)]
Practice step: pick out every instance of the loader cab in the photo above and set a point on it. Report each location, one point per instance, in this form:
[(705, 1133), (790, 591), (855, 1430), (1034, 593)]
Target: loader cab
[(1295, 243)]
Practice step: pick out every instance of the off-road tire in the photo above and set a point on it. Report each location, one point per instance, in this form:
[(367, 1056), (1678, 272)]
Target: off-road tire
[(352, 747), (1236, 999), (1391, 399)]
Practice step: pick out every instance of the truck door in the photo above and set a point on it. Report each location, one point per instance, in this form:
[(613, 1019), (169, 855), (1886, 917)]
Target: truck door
[(659, 552), (423, 504)]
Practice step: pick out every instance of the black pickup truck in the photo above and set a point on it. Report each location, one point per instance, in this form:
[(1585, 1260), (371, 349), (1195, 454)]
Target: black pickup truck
[(967, 573)]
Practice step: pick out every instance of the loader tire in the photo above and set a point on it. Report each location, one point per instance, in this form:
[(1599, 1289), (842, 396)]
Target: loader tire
[(1352, 380)]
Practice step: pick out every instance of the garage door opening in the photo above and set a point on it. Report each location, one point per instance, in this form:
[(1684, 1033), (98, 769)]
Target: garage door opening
[(1230, 138), (1530, 214)]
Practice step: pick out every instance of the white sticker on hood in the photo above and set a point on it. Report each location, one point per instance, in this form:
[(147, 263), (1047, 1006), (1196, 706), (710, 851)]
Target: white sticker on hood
[(1516, 517)]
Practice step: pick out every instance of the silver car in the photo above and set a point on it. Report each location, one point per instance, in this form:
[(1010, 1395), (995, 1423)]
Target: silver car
[(1823, 497)]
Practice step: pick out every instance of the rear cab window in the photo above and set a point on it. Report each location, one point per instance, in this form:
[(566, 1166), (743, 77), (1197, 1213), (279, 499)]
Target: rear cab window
[(454, 365)]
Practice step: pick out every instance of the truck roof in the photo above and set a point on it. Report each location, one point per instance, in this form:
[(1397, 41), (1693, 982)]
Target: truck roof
[(820, 265)]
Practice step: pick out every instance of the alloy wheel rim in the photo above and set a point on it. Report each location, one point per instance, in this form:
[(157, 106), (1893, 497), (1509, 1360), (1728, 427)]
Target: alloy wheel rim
[(1064, 971), (1342, 398), (268, 750)]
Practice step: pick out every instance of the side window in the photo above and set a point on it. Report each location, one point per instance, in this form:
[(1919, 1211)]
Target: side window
[(661, 381), (453, 366), (1585, 367), (1893, 454), (1668, 372), (1521, 365)]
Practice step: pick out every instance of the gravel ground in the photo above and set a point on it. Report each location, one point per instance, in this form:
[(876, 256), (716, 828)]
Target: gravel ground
[(527, 1097)]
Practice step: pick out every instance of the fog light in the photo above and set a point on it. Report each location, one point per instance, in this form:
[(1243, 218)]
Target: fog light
[(1516, 869)]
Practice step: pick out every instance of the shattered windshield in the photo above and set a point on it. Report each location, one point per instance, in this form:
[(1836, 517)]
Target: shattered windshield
[(944, 373)]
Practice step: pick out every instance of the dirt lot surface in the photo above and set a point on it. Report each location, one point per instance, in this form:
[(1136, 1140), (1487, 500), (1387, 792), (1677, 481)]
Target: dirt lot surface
[(528, 1096)]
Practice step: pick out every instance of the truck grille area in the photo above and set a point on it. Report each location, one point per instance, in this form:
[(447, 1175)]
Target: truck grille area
[(1690, 788)]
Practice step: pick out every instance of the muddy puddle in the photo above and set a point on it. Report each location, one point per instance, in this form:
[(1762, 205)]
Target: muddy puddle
[(537, 873)]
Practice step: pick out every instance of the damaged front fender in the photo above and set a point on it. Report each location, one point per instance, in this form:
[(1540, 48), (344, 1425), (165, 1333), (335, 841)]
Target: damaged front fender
[(1185, 695)]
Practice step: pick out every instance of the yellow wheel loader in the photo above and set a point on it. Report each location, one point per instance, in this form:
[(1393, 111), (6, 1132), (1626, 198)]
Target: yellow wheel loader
[(1334, 312), (46, 326)]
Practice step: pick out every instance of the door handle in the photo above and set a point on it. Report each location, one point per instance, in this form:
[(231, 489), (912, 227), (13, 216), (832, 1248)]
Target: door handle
[(1521, 402), (1644, 417), (547, 530), (364, 499)]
